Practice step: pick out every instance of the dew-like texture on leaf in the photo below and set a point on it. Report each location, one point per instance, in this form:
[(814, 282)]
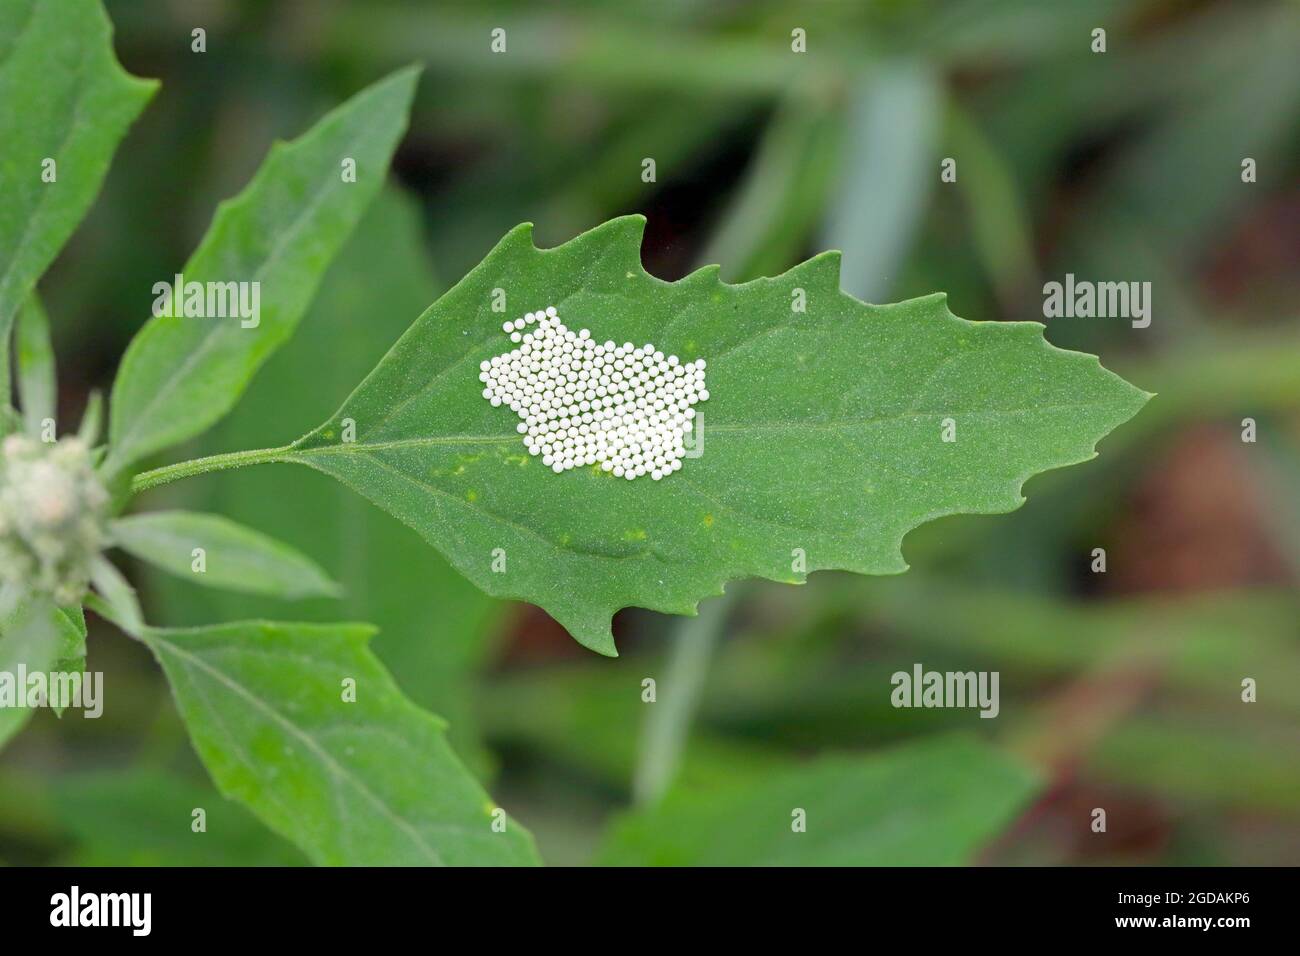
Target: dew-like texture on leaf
[(823, 443), (181, 374), (932, 803), (67, 104), (371, 781)]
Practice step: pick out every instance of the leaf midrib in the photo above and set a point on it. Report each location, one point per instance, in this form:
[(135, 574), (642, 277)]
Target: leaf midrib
[(734, 428)]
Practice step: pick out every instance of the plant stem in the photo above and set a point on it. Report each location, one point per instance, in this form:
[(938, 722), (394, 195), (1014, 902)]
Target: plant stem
[(199, 466), (668, 723)]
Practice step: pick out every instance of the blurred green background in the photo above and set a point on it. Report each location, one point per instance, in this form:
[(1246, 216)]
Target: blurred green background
[(1120, 690)]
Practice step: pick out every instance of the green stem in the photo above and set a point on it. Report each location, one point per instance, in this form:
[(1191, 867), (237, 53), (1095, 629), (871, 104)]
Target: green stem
[(668, 723), (199, 466)]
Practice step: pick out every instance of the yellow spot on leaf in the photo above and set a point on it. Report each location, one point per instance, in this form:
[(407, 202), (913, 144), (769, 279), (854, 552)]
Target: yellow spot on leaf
[(634, 534), (708, 521)]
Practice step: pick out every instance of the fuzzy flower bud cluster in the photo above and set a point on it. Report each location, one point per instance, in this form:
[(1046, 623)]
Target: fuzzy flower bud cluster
[(53, 510)]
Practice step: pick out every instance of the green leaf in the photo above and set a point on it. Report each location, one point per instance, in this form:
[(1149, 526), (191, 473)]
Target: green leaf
[(71, 625), (180, 375), (1000, 229), (35, 364), (91, 419), (823, 432), (369, 782), (931, 803), (68, 100), (38, 637), (235, 557), (71, 622), (116, 599)]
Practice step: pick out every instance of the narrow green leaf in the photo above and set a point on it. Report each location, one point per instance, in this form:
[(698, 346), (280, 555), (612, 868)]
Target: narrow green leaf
[(35, 364), (118, 602), (823, 441), (92, 420), (180, 375), (71, 624), (930, 803), (1000, 227), (365, 782), (35, 636), (229, 555), (67, 105), (72, 645), (606, 52)]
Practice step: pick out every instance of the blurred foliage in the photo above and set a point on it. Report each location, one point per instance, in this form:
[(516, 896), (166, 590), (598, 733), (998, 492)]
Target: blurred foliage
[(1121, 690), (929, 805)]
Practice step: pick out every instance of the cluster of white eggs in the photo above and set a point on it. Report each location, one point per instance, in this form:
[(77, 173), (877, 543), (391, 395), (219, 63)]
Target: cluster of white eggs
[(625, 407)]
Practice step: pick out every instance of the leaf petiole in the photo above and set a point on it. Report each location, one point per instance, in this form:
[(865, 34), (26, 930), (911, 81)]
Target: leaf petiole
[(200, 466)]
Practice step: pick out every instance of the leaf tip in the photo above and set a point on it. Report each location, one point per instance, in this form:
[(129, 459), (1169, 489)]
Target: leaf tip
[(629, 230), (829, 262), (520, 235), (405, 81), (708, 274), (326, 588), (402, 80), (599, 638), (147, 87)]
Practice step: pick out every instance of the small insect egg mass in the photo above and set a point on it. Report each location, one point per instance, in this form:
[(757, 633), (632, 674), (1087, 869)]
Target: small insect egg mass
[(580, 403)]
